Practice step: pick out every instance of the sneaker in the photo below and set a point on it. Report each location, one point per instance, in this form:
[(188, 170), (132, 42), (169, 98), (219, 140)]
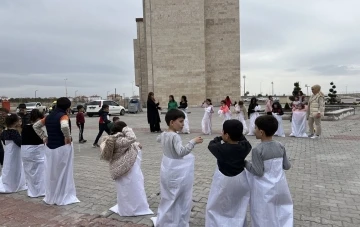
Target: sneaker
[(310, 135), (83, 141), (95, 145), (315, 137)]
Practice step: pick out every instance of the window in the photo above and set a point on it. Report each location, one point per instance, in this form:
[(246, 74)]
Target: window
[(134, 101), (114, 104), (108, 103), (95, 103)]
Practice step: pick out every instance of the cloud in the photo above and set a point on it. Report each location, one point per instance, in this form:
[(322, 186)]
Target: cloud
[(90, 42)]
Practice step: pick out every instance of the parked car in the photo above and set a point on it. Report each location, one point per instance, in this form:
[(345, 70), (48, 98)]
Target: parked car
[(34, 105), (94, 107)]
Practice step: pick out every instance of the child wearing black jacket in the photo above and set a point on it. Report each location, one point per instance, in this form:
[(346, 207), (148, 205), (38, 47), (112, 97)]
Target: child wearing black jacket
[(103, 123), (230, 193)]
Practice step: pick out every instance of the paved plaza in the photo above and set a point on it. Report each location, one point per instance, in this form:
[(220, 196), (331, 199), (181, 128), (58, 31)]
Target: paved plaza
[(324, 178)]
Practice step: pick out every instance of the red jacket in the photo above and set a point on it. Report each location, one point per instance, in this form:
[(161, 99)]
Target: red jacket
[(80, 118)]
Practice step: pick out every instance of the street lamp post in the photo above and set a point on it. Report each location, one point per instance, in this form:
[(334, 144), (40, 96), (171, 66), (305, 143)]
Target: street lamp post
[(35, 94), (272, 88), (66, 93), (244, 86), (75, 94)]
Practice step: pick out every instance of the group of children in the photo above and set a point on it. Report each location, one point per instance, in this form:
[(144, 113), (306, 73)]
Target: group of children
[(36, 160), (242, 114), (236, 182)]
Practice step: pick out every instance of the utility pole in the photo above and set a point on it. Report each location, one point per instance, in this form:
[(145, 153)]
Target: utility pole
[(66, 88), (115, 95), (75, 94), (132, 88), (272, 87), (35, 94)]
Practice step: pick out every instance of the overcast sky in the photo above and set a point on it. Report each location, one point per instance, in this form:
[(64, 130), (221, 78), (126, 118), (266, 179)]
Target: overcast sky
[(90, 43)]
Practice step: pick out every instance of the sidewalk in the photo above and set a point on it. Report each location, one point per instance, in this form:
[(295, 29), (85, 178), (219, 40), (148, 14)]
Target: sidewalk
[(19, 213)]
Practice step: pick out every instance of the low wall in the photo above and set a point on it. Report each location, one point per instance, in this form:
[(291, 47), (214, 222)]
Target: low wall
[(333, 115)]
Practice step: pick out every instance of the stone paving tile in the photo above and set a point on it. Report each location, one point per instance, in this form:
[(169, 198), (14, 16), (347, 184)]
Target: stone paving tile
[(324, 179)]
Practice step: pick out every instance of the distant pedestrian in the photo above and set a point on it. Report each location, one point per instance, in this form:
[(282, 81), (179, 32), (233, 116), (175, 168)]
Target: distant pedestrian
[(268, 106), (12, 174), (23, 114), (224, 111), (33, 156), (172, 103), (253, 113), (315, 111), (206, 123), (228, 101), (242, 115), (59, 178), (153, 116), (183, 107), (103, 123), (80, 122)]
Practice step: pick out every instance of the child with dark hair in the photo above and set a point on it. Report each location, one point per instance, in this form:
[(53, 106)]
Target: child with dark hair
[(229, 180), (25, 117), (206, 124), (172, 104), (224, 111), (183, 107), (270, 203), (59, 179), (123, 153), (103, 123), (242, 115), (80, 123), (253, 113), (33, 156), (12, 175), (111, 124), (277, 113), (177, 173)]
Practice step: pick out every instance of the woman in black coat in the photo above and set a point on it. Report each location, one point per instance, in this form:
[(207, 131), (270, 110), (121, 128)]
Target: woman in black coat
[(153, 113)]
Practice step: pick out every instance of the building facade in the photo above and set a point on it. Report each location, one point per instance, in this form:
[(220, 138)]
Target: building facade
[(190, 48)]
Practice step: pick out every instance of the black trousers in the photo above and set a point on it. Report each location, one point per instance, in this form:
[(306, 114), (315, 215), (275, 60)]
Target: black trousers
[(1, 153), (81, 131), (155, 127), (102, 127), (269, 113)]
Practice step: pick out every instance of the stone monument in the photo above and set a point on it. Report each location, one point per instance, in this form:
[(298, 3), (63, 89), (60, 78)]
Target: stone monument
[(188, 47)]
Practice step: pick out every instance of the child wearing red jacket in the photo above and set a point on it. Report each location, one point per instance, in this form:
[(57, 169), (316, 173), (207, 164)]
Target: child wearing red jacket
[(80, 122)]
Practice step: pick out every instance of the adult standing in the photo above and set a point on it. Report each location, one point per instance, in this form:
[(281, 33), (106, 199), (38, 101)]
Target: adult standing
[(316, 110), (153, 113), (228, 101), (268, 106)]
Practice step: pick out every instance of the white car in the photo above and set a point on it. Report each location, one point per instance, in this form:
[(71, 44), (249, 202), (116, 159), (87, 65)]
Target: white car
[(94, 107), (34, 105)]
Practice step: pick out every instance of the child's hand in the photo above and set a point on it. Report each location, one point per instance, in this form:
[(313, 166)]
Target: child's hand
[(45, 140), (140, 146), (198, 140), (68, 140)]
